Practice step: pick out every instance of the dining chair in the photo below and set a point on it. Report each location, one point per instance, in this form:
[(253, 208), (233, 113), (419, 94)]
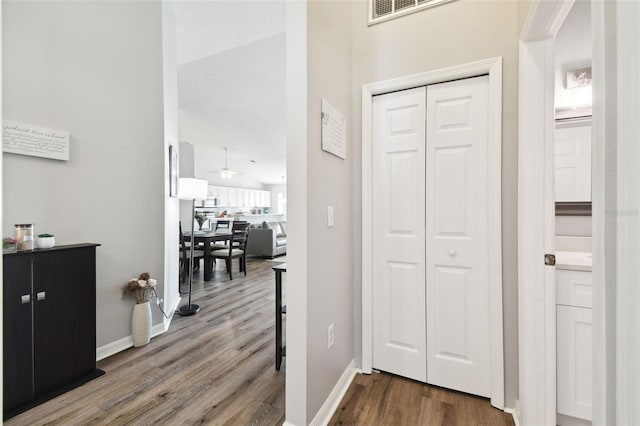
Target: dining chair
[(185, 255), (237, 248), (223, 225)]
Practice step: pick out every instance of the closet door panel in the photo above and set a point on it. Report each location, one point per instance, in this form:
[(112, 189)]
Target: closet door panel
[(399, 319), (456, 236)]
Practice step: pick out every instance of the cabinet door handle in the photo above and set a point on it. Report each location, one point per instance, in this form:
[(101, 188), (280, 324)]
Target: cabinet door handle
[(25, 298), (41, 295)]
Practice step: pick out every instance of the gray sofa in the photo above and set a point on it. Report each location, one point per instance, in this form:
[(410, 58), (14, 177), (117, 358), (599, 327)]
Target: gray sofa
[(267, 242)]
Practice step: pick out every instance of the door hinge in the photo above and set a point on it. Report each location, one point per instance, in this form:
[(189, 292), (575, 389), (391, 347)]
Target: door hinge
[(550, 259)]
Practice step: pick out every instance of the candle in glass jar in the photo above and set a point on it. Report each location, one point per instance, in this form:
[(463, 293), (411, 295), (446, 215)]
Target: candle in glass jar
[(24, 236)]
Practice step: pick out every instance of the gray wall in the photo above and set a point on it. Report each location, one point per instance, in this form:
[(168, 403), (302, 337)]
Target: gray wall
[(319, 67), (451, 34), (187, 169), (2, 234), (186, 160), (523, 11), (93, 69), (329, 250), (297, 196), (171, 296)]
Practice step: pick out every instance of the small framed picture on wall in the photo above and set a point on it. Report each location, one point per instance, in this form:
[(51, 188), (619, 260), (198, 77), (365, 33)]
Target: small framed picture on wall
[(173, 171)]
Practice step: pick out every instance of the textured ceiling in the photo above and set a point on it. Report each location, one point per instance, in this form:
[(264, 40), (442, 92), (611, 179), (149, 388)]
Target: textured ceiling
[(231, 88), (208, 27)]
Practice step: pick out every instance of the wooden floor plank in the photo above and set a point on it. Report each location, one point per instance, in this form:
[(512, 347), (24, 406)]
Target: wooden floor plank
[(385, 399)]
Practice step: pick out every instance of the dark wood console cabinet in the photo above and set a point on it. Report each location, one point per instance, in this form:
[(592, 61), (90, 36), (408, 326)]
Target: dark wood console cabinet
[(49, 324)]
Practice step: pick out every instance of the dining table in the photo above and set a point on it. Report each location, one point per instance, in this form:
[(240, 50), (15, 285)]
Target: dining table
[(207, 239)]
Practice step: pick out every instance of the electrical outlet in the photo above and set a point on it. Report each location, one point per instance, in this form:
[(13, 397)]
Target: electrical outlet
[(330, 336)]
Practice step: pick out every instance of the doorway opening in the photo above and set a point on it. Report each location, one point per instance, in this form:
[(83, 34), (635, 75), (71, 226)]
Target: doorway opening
[(231, 106), (554, 168)]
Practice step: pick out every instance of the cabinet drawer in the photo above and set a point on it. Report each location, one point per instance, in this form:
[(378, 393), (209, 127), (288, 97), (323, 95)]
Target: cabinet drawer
[(573, 288)]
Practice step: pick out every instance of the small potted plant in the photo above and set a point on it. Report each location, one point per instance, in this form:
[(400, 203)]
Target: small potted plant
[(45, 241), (8, 245), (201, 219)]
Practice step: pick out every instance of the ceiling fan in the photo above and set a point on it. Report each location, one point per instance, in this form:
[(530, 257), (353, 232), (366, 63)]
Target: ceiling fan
[(226, 172)]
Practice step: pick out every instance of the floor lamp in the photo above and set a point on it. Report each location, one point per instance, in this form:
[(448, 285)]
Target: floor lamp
[(191, 189)]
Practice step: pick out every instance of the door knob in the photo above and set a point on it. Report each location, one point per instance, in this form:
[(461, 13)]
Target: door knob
[(25, 298), (452, 252), (41, 295)]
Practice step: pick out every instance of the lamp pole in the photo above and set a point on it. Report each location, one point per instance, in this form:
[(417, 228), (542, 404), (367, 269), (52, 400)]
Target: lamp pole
[(192, 189), (190, 308)]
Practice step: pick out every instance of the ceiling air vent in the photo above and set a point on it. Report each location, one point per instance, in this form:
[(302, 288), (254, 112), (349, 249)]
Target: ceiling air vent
[(382, 10), (403, 4), (382, 7)]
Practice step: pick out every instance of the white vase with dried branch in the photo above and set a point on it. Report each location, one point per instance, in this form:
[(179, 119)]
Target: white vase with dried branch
[(141, 289)]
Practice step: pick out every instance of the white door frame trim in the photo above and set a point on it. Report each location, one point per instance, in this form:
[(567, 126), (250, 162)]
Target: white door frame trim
[(604, 173), (627, 210), (492, 67), (536, 226)]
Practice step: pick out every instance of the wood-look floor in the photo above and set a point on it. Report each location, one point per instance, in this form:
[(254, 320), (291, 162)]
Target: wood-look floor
[(385, 399), (216, 367)]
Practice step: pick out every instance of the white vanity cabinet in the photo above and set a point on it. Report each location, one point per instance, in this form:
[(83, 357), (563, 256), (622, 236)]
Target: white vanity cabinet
[(574, 348)]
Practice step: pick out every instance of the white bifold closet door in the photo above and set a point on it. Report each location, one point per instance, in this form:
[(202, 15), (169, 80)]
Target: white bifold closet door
[(457, 241), (430, 285), (399, 322)]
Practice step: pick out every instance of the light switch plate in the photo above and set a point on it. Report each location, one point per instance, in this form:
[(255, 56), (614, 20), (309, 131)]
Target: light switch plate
[(330, 216)]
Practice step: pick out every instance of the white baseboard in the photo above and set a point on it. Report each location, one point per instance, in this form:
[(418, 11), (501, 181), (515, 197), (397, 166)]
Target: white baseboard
[(157, 330), (172, 310), (113, 348), (515, 412), (120, 345), (335, 397)]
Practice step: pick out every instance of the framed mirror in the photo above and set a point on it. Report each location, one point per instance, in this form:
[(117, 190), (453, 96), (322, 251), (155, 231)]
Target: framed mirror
[(573, 165)]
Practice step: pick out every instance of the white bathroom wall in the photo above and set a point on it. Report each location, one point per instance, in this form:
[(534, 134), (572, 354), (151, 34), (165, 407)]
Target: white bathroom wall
[(573, 51), (574, 226)]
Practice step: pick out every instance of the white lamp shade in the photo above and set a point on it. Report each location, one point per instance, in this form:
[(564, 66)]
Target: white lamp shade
[(192, 189)]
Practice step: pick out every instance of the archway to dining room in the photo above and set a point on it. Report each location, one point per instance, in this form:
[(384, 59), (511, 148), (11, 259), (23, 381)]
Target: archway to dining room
[(231, 118)]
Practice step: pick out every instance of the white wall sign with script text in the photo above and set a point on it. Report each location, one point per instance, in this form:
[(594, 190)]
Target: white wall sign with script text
[(333, 131), (27, 139)]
